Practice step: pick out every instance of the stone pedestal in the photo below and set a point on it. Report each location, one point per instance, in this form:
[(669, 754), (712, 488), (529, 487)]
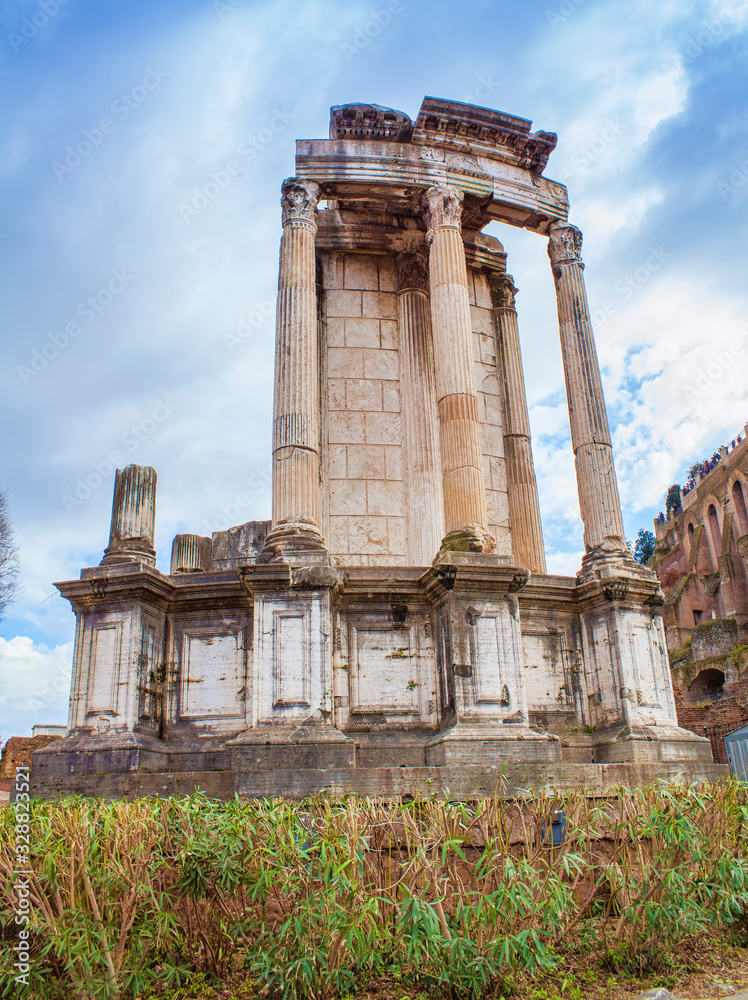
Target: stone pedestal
[(627, 672), (291, 674), (118, 646), (133, 516), (485, 705), (465, 515)]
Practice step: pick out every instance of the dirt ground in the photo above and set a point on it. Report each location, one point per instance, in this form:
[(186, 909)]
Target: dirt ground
[(701, 968)]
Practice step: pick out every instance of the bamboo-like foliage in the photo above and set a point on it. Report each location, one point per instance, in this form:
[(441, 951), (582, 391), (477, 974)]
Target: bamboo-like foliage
[(313, 897)]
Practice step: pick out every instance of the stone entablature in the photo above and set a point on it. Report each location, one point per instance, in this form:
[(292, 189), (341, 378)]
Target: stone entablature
[(369, 121), (492, 158), (396, 612)]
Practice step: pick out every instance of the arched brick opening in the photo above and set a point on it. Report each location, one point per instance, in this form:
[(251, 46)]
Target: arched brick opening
[(715, 533), (709, 683), (738, 500)]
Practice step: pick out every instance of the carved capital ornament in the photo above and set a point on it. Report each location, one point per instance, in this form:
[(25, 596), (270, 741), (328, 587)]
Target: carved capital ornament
[(565, 244), (503, 291), (412, 270), (442, 206), (299, 201)]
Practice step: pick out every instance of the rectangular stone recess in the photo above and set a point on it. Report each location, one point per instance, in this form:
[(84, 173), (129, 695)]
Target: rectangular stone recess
[(384, 670), (212, 674), (105, 657), (604, 691), (646, 682), (291, 681), (549, 663), (148, 665), (490, 666)]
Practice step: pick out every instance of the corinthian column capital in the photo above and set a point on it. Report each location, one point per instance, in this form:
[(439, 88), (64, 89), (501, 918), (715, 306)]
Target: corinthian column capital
[(442, 206), (503, 291), (299, 201), (565, 244), (412, 270)]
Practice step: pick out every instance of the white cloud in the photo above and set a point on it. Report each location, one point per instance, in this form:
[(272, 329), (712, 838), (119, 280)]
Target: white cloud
[(692, 359), (34, 685), (603, 218), (560, 562)]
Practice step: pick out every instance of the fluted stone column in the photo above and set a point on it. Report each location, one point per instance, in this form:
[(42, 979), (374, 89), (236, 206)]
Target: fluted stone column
[(191, 554), (599, 504), (133, 517), (465, 515), (296, 399), (522, 487), (425, 512)]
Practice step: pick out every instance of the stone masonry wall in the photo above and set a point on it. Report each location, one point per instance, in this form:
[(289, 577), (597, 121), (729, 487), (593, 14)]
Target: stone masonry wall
[(714, 637), (365, 521), (491, 411)]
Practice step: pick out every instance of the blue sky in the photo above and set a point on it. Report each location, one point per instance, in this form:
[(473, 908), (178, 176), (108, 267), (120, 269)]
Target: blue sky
[(116, 113)]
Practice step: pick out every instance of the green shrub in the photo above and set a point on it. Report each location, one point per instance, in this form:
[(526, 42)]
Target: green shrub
[(313, 898)]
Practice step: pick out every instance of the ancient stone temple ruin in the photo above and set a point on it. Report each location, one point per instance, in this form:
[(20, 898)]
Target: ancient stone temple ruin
[(393, 629)]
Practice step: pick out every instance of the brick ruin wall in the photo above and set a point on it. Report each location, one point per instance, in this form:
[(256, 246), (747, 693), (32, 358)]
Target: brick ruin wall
[(716, 713), (18, 751)]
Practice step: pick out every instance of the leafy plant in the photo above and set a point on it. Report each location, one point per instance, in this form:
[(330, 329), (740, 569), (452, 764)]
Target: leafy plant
[(644, 546), (673, 503), (314, 898)]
